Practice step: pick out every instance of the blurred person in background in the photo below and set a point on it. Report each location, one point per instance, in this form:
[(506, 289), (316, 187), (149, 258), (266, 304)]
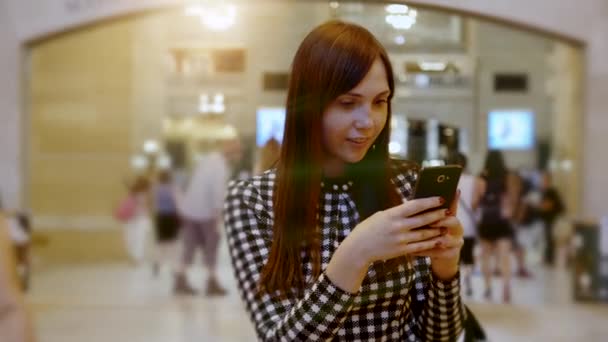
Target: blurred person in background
[(166, 220), (523, 219), (14, 319), (325, 246), (20, 233), (138, 224), (268, 156), (468, 218), (550, 208), (496, 196), (200, 208)]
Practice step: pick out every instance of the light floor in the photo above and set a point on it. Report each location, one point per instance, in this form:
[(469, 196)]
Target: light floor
[(103, 303)]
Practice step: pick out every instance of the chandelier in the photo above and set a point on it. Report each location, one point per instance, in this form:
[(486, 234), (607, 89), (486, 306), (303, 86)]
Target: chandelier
[(215, 15), (400, 17)]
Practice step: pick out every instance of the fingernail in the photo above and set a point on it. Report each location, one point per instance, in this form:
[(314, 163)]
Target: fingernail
[(441, 200), (448, 212), (443, 230)]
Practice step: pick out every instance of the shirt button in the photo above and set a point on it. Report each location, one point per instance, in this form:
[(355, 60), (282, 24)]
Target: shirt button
[(344, 187), (335, 187)]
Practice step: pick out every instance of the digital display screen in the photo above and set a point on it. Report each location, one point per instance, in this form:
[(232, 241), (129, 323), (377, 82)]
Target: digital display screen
[(511, 129), (270, 123)]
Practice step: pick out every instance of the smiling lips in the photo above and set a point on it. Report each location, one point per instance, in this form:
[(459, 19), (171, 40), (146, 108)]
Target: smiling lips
[(359, 141)]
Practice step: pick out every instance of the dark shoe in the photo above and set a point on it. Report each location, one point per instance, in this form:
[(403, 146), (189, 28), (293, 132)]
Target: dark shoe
[(524, 273), (487, 294), (214, 289), (181, 286)]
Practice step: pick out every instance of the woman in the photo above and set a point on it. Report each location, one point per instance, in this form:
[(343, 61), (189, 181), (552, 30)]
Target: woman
[(139, 223), (166, 220), (496, 196), (324, 246), (14, 320)]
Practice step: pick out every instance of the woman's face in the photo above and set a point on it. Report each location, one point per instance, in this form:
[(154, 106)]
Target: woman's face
[(353, 121)]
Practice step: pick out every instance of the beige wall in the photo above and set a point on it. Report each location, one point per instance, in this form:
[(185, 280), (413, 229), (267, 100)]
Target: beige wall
[(80, 123), (566, 63)]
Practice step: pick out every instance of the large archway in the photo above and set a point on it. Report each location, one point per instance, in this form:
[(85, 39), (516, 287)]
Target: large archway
[(109, 88)]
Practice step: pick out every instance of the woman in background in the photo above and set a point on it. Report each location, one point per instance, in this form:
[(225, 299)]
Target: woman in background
[(166, 220), (496, 195), (139, 224), (268, 156), (14, 320), (468, 217)]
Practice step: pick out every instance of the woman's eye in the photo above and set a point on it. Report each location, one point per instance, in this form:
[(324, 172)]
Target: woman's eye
[(347, 103), (381, 101)]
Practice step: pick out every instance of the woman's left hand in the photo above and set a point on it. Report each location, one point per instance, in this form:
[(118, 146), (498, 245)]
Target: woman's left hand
[(446, 254)]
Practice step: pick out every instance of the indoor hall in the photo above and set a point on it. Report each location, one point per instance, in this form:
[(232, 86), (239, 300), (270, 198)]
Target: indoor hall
[(108, 91)]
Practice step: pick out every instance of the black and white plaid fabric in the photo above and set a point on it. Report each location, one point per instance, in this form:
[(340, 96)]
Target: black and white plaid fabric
[(405, 305)]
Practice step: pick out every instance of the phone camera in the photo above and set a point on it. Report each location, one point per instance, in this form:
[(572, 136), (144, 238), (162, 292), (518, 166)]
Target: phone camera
[(441, 179)]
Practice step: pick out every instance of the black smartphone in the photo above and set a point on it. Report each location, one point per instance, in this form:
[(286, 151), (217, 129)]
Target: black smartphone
[(438, 181)]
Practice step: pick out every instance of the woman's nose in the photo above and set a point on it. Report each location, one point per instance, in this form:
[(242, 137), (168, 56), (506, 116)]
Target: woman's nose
[(363, 118)]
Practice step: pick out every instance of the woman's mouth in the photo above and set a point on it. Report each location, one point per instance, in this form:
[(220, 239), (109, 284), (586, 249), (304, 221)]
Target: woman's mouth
[(358, 141)]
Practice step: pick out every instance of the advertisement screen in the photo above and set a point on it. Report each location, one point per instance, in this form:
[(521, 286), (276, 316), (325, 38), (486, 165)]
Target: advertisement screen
[(270, 123), (511, 129)]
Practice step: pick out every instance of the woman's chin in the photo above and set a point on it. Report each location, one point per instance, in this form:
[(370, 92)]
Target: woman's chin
[(354, 158)]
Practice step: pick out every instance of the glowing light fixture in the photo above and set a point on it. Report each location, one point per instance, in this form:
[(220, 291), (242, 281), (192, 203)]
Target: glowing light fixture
[(216, 106), (433, 66), (216, 17), (400, 22), (164, 162), (394, 147), (400, 17), (400, 40), (397, 9), (139, 162), (151, 146)]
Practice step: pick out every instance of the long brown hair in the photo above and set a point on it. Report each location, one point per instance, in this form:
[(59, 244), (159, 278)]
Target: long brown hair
[(333, 59)]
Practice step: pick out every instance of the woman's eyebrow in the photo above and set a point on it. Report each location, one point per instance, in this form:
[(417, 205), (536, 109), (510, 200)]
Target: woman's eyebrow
[(350, 93)]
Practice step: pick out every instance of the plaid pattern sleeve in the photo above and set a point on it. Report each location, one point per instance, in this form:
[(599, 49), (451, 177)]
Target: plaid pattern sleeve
[(318, 314), (442, 314)]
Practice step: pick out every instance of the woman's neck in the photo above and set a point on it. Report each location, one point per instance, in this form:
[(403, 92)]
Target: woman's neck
[(334, 168)]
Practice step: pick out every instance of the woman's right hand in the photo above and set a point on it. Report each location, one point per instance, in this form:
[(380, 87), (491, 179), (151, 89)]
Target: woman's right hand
[(386, 235)]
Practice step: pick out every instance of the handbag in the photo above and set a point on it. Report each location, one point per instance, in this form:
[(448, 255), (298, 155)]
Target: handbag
[(473, 332), (126, 209)]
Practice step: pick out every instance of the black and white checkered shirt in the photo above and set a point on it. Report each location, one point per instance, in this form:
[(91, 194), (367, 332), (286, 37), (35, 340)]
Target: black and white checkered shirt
[(406, 305)]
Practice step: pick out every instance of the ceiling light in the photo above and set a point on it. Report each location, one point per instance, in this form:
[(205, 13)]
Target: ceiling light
[(432, 66), (397, 9), (334, 4), (139, 162), (400, 22), (151, 146), (394, 147), (217, 17), (400, 40)]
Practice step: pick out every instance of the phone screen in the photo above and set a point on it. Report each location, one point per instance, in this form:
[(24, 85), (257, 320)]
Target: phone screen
[(438, 181)]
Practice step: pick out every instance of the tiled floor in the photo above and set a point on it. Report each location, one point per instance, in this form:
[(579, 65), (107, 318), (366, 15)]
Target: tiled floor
[(102, 303)]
